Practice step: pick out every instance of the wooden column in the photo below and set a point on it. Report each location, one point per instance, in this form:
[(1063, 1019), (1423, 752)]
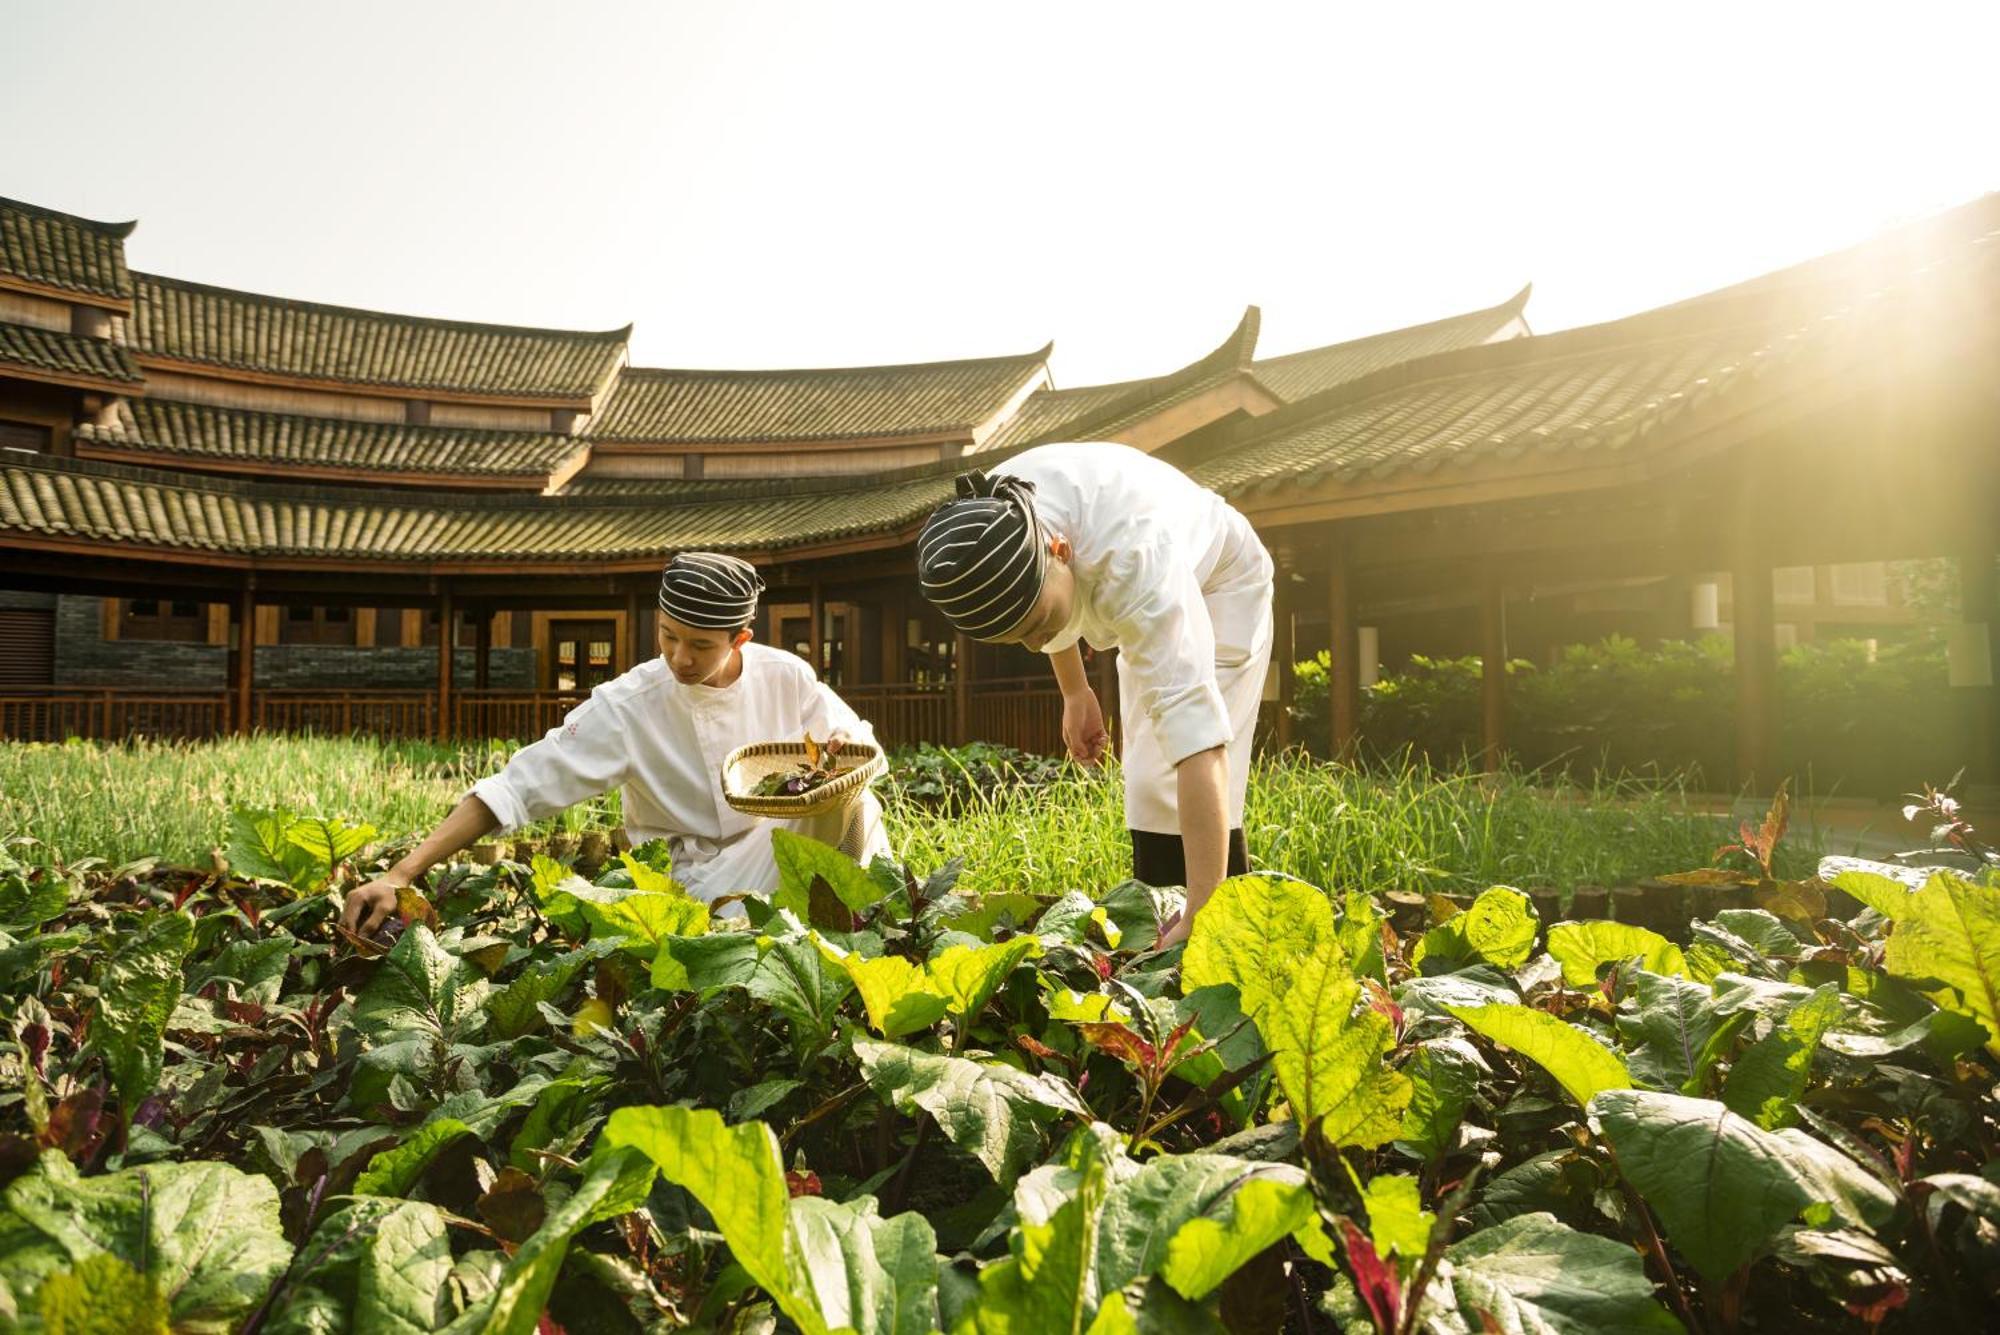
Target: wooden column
[(447, 633), (246, 658), (1284, 653), (893, 631), (1754, 625), (1492, 671), (1343, 685), (961, 690), (482, 648), (639, 636), (816, 636)]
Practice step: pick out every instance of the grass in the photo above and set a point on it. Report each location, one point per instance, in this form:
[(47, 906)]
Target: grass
[(1394, 829)]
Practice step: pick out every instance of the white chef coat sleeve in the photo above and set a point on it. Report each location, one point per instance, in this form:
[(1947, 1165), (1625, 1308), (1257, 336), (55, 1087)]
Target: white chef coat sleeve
[(581, 757), (824, 712), (1168, 646)]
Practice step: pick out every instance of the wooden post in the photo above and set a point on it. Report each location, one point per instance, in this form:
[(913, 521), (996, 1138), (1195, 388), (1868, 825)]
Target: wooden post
[(246, 657), (1343, 684), (482, 647), (1492, 671), (1283, 651), (816, 635), (447, 633), (1755, 629), (894, 631), (961, 690)]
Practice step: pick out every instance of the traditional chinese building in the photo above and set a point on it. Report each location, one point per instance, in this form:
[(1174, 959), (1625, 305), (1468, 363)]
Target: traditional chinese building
[(221, 510)]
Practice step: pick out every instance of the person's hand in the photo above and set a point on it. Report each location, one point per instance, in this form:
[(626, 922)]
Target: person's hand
[(1083, 728), (1174, 931), (368, 907)]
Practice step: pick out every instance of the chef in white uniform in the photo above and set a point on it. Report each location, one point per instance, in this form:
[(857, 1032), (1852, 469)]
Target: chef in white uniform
[(1103, 543), (660, 734)]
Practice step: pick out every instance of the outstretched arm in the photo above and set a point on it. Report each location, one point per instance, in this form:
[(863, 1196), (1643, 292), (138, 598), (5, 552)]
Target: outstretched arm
[(369, 906)]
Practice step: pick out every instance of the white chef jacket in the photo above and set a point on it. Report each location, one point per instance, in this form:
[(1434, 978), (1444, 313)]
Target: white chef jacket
[(663, 743), (1178, 581)]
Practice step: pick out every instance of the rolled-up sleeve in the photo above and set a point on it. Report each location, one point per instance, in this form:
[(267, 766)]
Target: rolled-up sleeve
[(581, 757), (1168, 646)]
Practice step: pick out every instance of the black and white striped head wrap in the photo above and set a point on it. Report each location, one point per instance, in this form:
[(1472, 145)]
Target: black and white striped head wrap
[(981, 557), (710, 591)]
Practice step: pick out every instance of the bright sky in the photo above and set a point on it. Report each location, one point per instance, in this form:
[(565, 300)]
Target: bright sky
[(844, 182)]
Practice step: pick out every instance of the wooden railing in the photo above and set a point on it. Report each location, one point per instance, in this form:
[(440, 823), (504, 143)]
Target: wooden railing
[(50, 714), (516, 715), (1021, 711), (397, 714)]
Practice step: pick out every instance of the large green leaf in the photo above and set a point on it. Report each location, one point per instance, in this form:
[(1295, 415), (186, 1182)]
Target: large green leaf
[(138, 985), (206, 1236), (1047, 1285), (1444, 1075), (1582, 948), (420, 988), (1671, 1032), (1947, 934), (615, 1182), (375, 1265), (1722, 1187), (395, 1171), (1398, 1223), (899, 996), (1533, 1275), (515, 1009), (1329, 1059), (970, 975), (29, 898), (1257, 932), (1580, 1064), (328, 842), (1498, 929), (793, 979), (705, 964), (866, 1273), (829, 1267), (800, 860), (1768, 1079), (994, 1112), (258, 845), (642, 919), (1150, 1217)]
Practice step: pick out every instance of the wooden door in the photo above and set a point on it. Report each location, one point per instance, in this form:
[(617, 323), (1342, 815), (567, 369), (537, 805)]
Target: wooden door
[(579, 654)]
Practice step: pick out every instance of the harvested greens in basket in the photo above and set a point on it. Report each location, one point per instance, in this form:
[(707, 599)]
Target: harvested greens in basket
[(816, 769)]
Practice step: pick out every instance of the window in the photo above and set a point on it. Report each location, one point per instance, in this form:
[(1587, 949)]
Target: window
[(1861, 584), (26, 437), (1793, 584), (317, 625), (177, 620)]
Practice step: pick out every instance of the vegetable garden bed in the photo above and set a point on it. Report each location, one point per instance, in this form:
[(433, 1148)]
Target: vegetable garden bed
[(887, 1102)]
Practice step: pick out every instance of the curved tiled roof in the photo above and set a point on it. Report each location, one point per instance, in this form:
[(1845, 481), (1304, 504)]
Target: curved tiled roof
[(1578, 395), (65, 354), (119, 506), (1296, 375), (243, 331), (1099, 412), (194, 432), (61, 250), (845, 403)]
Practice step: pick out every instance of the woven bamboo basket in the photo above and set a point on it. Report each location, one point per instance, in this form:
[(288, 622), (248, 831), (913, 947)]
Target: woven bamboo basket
[(746, 765)]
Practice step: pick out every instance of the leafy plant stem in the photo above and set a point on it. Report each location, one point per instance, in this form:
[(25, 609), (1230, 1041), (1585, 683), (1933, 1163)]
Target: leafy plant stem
[(1656, 1250)]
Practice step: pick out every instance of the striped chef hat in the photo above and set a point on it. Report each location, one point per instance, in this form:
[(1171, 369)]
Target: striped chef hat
[(981, 558), (710, 591)]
